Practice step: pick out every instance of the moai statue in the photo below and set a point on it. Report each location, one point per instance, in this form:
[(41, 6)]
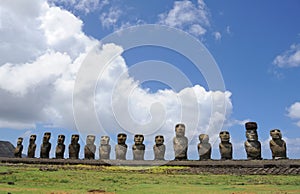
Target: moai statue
[(225, 146), (159, 148), (46, 146), (121, 147), (90, 147), (19, 148), (60, 148), (180, 143), (104, 149), (252, 145), (74, 147), (31, 147), (204, 147), (277, 145), (138, 149)]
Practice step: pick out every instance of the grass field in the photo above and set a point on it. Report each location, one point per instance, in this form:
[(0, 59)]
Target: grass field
[(82, 178)]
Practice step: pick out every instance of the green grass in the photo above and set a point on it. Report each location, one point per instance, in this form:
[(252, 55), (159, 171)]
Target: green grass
[(81, 178)]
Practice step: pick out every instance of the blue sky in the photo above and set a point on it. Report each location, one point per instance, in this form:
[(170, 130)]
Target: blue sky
[(256, 45)]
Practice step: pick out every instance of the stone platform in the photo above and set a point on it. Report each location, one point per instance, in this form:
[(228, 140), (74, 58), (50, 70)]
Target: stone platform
[(261, 167)]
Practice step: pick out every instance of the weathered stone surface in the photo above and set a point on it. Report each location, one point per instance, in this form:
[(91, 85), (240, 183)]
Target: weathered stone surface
[(31, 147), (277, 145), (105, 148), (46, 146), (19, 148), (90, 147), (159, 148), (180, 143), (121, 147), (60, 148), (252, 145), (74, 147), (138, 148), (225, 146), (204, 147)]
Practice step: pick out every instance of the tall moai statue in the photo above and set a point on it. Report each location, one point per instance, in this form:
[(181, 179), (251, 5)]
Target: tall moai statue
[(60, 148), (46, 146), (159, 148), (180, 143), (74, 147), (204, 147), (138, 148), (105, 148), (90, 147), (225, 146), (31, 147), (121, 147), (19, 148), (252, 145), (277, 145)]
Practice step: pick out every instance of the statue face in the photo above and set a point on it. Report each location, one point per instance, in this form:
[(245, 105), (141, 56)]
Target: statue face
[(203, 138), (61, 139), (75, 139), (180, 130), (224, 136), (46, 137), (90, 139), (104, 140), (122, 138), (159, 140), (251, 135), (32, 138), (275, 134), (138, 139), (20, 141)]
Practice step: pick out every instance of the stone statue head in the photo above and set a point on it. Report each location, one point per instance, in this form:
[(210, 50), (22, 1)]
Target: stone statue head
[(122, 138), (90, 139), (159, 140), (74, 138), (20, 141), (251, 135), (104, 140), (46, 137), (32, 139), (138, 139), (275, 134), (224, 136), (251, 125), (180, 130), (204, 138), (60, 139)]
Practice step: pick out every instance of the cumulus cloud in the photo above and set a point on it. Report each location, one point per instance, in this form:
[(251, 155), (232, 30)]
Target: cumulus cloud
[(111, 17), (289, 58), (188, 16), (294, 112), (217, 35)]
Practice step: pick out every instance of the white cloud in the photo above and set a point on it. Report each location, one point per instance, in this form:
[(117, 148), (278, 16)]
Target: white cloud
[(294, 112), (110, 18), (217, 35), (289, 58), (187, 16)]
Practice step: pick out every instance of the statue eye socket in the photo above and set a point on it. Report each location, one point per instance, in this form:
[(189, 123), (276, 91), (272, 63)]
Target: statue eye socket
[(273, 130)]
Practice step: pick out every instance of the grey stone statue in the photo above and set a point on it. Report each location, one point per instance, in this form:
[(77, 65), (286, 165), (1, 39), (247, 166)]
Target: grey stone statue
[(74, 147), (180, 143), (225, 146), (90, 147), (60, 148), (252, 145), (138, 148), (204, 147), (159, 148), (46, 146), (105, 148), (121, 147), (19, 148), (277, 145), (31, 147)]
